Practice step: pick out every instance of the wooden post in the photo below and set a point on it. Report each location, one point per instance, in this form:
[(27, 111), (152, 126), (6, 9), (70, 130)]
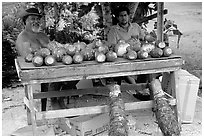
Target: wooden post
[(160, 22), (32, 111), (28, 110)]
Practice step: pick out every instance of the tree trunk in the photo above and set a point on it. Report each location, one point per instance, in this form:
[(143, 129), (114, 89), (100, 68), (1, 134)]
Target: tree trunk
[(132, 6), (167, 121), (41, 6), (160, 21), (118, 120), (107, 17), (56, 16)]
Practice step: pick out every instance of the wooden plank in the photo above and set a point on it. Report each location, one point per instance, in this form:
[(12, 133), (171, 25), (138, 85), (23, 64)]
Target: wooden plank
[(96, 91), (27, 103), (90, 110), (95, 76), (85, 71), (27, 109)]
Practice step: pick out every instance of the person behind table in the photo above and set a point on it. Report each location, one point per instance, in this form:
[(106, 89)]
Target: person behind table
[(124, 30), (32, 39)]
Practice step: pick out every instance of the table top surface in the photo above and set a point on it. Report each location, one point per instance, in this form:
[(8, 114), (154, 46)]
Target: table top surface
[(92, 69)]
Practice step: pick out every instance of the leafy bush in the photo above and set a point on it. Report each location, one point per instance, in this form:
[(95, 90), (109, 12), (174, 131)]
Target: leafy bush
[(11, 27)]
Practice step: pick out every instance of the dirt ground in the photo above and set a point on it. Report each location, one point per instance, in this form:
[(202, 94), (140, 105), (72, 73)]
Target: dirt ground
[(188, 17)]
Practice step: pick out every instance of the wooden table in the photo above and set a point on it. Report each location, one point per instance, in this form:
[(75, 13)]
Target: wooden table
[(32, 77)]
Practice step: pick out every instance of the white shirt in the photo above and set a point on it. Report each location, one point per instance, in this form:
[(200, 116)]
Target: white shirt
[(117, 33)]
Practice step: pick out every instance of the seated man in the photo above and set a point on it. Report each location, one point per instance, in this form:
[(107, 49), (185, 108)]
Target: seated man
[(31, 39), (124, 30)]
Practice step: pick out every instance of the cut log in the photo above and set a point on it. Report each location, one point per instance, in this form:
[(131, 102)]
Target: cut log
[(118, 121), (167, 121)]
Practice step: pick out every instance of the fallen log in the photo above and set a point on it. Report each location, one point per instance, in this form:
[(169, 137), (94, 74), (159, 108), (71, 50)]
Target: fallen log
[(167, 121), (118, 120)]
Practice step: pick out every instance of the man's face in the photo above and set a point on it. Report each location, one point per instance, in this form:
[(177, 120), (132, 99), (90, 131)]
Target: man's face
[(33, 22), (123, 18)]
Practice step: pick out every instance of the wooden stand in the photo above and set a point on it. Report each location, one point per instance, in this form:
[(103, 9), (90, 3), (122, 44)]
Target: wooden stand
[(32, 77)]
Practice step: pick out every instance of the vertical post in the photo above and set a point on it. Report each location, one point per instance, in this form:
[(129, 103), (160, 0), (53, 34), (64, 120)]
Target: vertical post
[(28, 110), (175, 94), (32, 111), (160, 22)]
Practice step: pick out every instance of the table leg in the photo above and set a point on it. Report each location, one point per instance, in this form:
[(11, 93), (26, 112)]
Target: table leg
[(28, 110), (31, 117), (166, 82), (175, 94)]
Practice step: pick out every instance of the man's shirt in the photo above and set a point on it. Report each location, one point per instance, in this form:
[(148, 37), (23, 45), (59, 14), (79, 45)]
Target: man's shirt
[(117, 33)]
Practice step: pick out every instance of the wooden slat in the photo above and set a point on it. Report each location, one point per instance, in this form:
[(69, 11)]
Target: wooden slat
[(90, 110), (90, 76), (26, 102), (96, 91), (84, 72)]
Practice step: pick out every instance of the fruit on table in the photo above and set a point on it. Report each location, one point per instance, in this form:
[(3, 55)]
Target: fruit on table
[(111, 56), (79, 46), (58, 53), (37, 61), (134, 44), (100, 57), (29, 57), (103, 49), (167, 51), (147, 47), (67, 60), (52, 45), (91, 45), (156, 52), (161, 45), (98, 43), (121, 48), (131, 55), (149, 38), (142, 54), (88, 54), (78, 58), (44, 52), (50, 60), (70, 49)]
